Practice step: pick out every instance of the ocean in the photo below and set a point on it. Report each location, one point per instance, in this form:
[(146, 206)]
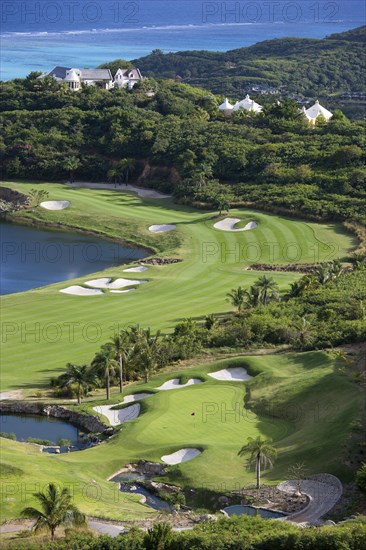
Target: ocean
[(36, 35)]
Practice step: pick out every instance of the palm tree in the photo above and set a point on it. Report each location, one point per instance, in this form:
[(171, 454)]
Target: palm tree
[(146, 350), (121, 345), (104, 364), (304, 331), (79, 375), (295, 291), (211, 321), (336, 269), (253, 295), (71, 164), (113, 174), (268, 289), (298, 472), (125, 167), (323, 273), (222, 202), (56, 509), (158, 536), (260, 451), (237, 298)]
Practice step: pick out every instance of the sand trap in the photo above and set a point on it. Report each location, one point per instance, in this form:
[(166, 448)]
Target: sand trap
[(76, 290), (120, 416), (228, 224), (161, 228), (175, 384), (232, 374), (106, 282), (55, 205), (180, 456), (139, 269), (136, 397)]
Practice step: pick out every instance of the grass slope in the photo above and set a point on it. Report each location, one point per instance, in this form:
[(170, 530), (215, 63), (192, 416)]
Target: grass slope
[(299, 401), (44, 329)]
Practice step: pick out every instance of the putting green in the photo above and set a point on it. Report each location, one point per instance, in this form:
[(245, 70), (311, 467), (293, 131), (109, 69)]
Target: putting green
[(44, 329), (297, 400)]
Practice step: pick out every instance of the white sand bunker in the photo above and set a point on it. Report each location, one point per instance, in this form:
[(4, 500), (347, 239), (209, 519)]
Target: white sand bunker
[(228, 224), (232, 374), (55, 205), (77, 290), (120, 416), (161, 228), (180, 456), (136, 397), (175, 384), (106, 282), (138, 269)]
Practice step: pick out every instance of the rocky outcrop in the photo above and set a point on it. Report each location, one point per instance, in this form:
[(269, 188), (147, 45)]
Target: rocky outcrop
[(161, 261), (295, 268), (149, 468), (11, 201), (87, 422)]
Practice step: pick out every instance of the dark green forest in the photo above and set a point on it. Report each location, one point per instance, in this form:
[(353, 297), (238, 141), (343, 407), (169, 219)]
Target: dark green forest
[(175, 139), (331, 68)]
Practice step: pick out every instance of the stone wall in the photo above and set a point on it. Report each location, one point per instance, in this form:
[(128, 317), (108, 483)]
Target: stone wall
[(87, 422)]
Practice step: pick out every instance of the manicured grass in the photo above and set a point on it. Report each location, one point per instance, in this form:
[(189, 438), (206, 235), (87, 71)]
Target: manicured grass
[(299, 401), (44, 329)]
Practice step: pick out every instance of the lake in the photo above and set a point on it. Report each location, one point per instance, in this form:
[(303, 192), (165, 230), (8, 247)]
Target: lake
[(40, 427), (32, 257)]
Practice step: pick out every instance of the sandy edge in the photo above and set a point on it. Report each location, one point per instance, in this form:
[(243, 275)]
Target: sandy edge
[(174, 384), (228, 224), (55, 205), (231, 374), (183, 455)]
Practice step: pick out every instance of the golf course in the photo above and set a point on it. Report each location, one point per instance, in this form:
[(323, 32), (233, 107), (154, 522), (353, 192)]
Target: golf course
[(43, 329), (297, 400), (300, 401)]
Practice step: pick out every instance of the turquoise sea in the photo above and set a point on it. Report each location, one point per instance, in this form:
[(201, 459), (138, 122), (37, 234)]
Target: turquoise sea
[(39, 34)]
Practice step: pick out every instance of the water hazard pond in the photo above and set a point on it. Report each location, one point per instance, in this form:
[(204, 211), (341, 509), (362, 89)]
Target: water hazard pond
[(32, 257), (44, 428)]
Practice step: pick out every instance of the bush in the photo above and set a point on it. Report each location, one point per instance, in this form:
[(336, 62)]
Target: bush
[(39, 441), (361, 478), (11, 436)]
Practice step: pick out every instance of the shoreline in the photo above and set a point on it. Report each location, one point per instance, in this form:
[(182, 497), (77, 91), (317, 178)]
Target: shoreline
[(65, 228)]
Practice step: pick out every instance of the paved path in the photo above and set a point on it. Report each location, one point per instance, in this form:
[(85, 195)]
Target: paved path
[(102, 527), (140, 191), (323, 490), (106, 528)]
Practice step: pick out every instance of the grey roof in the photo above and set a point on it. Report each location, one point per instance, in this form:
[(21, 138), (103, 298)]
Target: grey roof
[(59, 72), (86, 74), (96, 74), (135, 73)]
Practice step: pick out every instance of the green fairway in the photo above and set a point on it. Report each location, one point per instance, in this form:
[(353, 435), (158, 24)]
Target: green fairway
[(44, 329), (297, 400)]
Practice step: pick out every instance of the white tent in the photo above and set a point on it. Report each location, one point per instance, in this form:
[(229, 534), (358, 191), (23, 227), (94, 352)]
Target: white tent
[(317, 110), (248, 104), (226, 107)]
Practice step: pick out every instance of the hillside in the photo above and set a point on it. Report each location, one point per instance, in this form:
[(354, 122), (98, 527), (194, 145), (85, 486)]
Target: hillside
[(305, 67)]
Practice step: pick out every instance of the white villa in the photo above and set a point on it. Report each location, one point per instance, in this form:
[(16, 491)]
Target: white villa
[(315, 111), (75, 78), (127, 78)]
